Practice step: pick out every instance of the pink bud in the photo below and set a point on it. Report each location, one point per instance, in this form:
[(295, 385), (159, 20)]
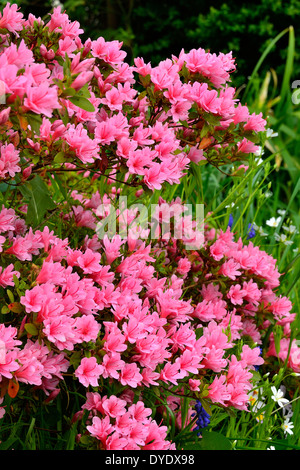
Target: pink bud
[(49, 55), (26, 172), (196, 155), (78, 42), (58, 129), (82, 79), (97, 73), (87, 47), (52, 395), (35, 145), (4, 115)]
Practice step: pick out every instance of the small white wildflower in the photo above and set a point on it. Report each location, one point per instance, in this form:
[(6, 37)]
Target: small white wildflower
[(290, 228), (278, 397), (273, 222), (268, 194), (271, 448), (256, 400), (270, 133), (283, 239), (259, 152), (261, 232), (287, 427), (56, 3), (281, 212)]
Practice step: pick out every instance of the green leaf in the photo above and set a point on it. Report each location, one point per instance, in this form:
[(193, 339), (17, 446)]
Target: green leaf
[(210, 440), (69, 92), (60, 157), (35, 121), (5, 310), (39, 200), (16, 307), (31, 329), (85, 440), (75, 359), (82, 103), (10, 295)]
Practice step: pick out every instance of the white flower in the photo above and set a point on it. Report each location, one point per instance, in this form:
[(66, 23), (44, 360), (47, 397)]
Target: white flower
[(290, 228), (271, 448), (273, 222), (278, 397), (281, 212), (283, 239), (56, 3), (258, 153), (261, 232), (270, 133), (287, 426)]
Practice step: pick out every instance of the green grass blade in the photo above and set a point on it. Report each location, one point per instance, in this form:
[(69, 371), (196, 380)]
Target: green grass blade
[(261, 60)]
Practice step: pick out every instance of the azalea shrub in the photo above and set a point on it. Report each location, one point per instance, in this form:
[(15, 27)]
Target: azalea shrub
[(77, 105), (151, 331)]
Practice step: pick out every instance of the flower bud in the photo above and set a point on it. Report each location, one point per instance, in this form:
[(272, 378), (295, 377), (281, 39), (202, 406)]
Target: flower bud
[(87, 47), (82, 79), (4, 115), (26, 172)]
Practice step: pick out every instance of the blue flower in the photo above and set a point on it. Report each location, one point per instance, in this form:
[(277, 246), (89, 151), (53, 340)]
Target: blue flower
[(251, 232), (203, 418), (257, 367), (230, 222)]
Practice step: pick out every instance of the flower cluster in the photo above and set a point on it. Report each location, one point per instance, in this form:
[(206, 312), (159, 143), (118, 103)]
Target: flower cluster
[(118, 425), (73, 104), (203, 418), (152, 315)]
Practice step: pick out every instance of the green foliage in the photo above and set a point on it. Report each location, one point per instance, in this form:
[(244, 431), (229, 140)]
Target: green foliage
[(210, 440), (39, 200)]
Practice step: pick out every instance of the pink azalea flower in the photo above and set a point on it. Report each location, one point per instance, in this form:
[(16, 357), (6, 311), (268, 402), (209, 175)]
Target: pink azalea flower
[(89, 371), (100, 428), (86, 149), (7, 219), (114, 406), (87, 328), (6, 276), (9, 160), (41, 99), (130, 375), (236, 294), (10, 19)]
